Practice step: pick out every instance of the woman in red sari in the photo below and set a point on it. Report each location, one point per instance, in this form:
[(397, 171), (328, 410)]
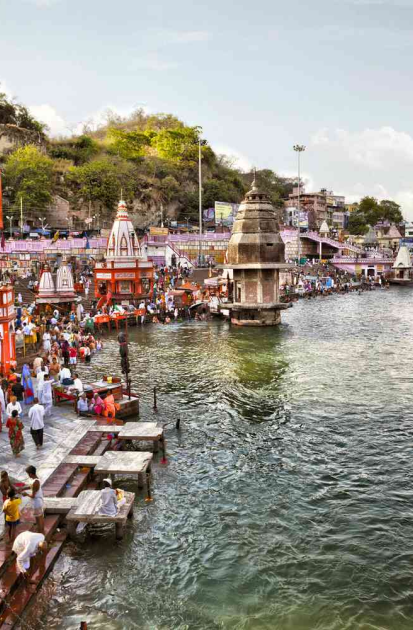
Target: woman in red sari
[(15, 427)]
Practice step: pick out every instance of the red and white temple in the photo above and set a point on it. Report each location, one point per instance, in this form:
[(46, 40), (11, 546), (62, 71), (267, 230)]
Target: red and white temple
[(125, 275)]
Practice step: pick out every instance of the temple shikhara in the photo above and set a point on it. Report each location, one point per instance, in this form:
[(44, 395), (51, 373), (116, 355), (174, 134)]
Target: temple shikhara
[(126, 275), (256, 256), (61, 293)]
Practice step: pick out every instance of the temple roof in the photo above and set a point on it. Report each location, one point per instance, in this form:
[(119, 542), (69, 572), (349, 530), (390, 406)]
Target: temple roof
[(393, 232), (324, 229), (46, 284), (403, 260), (123, 243), (255, 235), (371, 237), (64, 281)]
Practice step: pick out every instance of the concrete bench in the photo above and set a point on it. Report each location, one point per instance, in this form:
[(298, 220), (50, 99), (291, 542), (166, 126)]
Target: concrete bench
[(58, 505), (85, 511), (142, 432), (83, 460)]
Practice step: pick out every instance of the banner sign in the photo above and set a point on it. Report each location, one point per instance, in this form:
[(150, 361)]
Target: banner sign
[(158, 231), (225, 213), (303, 220), (209, 215)]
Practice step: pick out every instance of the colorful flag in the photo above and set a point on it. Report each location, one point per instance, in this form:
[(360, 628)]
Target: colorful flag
[(56, 236), (87, 243)]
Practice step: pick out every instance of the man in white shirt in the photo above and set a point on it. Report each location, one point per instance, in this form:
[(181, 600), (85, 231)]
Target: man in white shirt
[(65, 373), (83, 406), (40, 381), (27, 545), (77, 384), (14, 405), (36, 417)]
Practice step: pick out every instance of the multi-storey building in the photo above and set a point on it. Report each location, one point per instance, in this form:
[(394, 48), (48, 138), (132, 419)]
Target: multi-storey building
[(320, 206)]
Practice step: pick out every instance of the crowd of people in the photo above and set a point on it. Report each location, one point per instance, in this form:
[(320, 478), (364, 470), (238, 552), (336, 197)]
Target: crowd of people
[(323, 280)]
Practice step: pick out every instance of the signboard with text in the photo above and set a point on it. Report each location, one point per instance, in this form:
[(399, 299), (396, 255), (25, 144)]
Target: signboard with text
[(225, 212), (158, 231)]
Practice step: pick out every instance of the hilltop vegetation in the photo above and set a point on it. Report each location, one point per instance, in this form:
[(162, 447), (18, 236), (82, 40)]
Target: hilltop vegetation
[(153, 159)]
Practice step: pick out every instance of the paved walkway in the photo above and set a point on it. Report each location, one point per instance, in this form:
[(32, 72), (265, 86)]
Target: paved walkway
[(63, 429)]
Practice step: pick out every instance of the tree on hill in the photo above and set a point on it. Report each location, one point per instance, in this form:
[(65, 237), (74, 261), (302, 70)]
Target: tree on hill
[(79, 150), (29, 176), (131, 145), (102, 180), (370, 212), (277, 187), (12, 113)]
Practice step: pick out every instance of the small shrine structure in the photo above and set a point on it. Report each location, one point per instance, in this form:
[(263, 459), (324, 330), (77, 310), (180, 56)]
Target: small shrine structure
[(402, 267), (7, 336), (125, 275), (256, 256), (324, 229), (61, 293)]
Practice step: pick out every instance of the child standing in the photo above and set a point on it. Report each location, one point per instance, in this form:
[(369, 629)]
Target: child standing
[(11, 510), (73, 355)]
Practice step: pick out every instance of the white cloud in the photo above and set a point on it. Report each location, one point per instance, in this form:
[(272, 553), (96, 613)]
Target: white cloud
[(4, 88), (100, 117), (307, 180), (372, 161), (47, 114), (60, 127), (372, 148), (241, 160)]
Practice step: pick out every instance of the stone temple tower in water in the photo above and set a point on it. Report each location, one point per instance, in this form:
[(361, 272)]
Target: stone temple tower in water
[(256, 256)]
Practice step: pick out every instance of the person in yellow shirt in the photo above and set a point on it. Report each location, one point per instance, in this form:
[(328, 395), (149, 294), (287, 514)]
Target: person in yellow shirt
[(11, 510)]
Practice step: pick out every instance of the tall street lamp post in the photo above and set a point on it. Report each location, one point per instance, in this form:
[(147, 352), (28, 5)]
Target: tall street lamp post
[(200, 200), (299, 148)]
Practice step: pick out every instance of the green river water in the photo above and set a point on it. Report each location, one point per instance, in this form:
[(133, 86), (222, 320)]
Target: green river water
[(286, 502)]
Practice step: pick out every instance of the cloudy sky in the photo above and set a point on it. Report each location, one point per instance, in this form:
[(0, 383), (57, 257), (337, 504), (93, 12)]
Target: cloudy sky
[(335, 75)]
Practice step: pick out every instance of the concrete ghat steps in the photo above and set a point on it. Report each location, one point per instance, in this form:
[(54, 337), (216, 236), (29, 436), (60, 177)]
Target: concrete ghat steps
[(11, 581), (22, 286), (15, 596), (22, 595)]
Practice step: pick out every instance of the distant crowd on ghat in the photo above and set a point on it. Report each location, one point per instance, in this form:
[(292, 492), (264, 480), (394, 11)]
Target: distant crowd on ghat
[(323, 280)]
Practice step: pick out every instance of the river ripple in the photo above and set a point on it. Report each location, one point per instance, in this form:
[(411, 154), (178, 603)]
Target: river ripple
[(286, 502)]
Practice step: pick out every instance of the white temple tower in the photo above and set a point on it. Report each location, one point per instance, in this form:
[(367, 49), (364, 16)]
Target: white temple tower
[(123, 244), (64, 283), (126, 275), (402, 267), (47, 289)]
